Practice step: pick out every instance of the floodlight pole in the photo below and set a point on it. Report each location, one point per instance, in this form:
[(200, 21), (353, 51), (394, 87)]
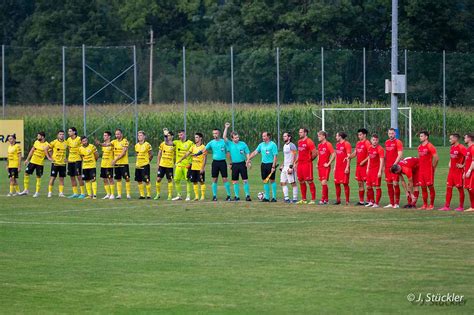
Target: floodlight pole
[(185, 104), (278, 93), (84, 96), (394, 67), (232, 85), (3, 81), (64, 85)]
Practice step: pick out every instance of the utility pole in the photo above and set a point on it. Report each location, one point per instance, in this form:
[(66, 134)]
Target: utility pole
[(150, 79), (394, 66)]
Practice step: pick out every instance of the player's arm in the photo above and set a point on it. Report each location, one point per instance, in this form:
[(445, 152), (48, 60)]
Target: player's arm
[(204, 160), (181, 159), (158, 158), (224, 134), (435, 158), (47, 152), (293, 162), (348, 152), (469, 171), (353, 154), (150, 154), (96, 155), (382, 162), (253, 154), (331, 159), (30, 154), (399, 153), (121, 155)]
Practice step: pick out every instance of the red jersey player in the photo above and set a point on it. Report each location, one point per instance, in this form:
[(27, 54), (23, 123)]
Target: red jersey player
[(342, 167), (362, 153), (326, 155), (410, 168), (393, 155), (304, 165), (428, 162), (469, 169), (374, 172), (457, 155)]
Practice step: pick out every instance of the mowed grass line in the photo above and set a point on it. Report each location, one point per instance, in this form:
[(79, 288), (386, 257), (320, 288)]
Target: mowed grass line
[(228, 257)]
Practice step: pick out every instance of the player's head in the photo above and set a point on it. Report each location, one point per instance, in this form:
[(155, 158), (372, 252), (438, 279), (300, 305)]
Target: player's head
[(340, 136), (198, 137), (118, 134), (72, 132), (266, 136), (107, 135), (182, 135), (391, 134), (84, 141), (12, 139), (216, 133), (362, 134), (234, 136), (141, 136), (374, 139), (322, 135), (424, 136), (303, 132), (395, 169), (454, 138), (287, 137), (169, 137), (60, 135), (469, 138), (40, 136)]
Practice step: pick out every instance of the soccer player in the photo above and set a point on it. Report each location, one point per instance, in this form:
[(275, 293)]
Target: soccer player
[(374, 172), (326, 156), (456, 169), (304, 165), (468, 169), (342, 166), (89, 155), (393, 155), (197, 173), (182, 146), (120, 162), (13, 165), (239, 155), (219, 164), (58, 166), (428, 162), (269, 152), (106, 168), (165, 163), (37, 155), (288, 173), (74, 164), (410, 168), (144, 155), (362, 153)]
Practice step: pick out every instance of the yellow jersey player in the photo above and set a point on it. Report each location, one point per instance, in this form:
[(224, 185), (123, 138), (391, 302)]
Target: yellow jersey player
[(198, 166), (58, 148), (182, 146), (13, 164), (106, 168), (89, 155), (165, 161), (120, 162), (37, 155), (144, 155), (74, 164)]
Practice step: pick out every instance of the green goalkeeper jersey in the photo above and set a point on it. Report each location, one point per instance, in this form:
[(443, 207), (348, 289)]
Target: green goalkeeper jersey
[(181, 149)]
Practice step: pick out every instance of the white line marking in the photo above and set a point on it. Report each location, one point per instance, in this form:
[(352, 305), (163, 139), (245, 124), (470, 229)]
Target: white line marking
[(76, 210)]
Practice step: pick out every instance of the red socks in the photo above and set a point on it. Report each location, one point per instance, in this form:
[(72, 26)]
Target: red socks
[(432, 195), (312, 188), (390, 193), (303, 190), (471, 197), (449, 196), (461, 197), (361, 196), (347, 192), (370, 194), (397, 194), (325, 193), (338, 192), (379, 195), (424, 195)]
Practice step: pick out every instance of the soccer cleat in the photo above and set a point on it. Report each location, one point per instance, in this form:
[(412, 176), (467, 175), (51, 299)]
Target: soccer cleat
[(469, 210), (214, 198), (423, 207), (129, 197), (141, 197), (202, 198), (407, 206), (94, 197), (36, 195), (396, 206), (444, 209), (148, 197), (359, 204), (273, 200), (50, 195), (236, 199), (188, 198), (294, 201), (389, 206), (312, 202), (112, 197), (287, 200), (61, 195), (430, 207), (265, 200), (73, 196), (322, 203), (88, 197), (10, 195), (248, 198), (156, 197), (196, 199), (24, 193), (177, 198), (118, 197), (169, 198), (347, 203), (81, 196), (228, 198), (302, 202), (375, 205), (337, 203), (459, 209), (106, 197), (369, 204)]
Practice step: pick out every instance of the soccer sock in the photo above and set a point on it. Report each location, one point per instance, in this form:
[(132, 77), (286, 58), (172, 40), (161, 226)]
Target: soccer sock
[(424, 195), (417, 194), (274, 190), (347, 191), (227, 188), (26, 182), (390, 193), (471, 197), (128, 189), (266, 189), (285, 191), (303, 190), (246, 189), (338, 192), (11, 188), (83, 191), (61, 188), (94, 188), (449, 195), (378, 196), (141, 190), (170, 189), (189, 188), (312, 189), (432, 195), (177, 184), (396, 189), (237, 190), (89, 188), (325, 193), (112, 189), (361, 196), (158, 188), (214, 189), (370, 194), (17, 188), (119, 188), (50, 188), (196, 190), (74, 190), (295, 192), (107, 189), (38, 185), (148, 189), (203, 190), (461, 197)]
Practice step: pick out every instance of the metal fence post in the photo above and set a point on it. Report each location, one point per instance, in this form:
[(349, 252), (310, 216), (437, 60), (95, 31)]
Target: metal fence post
[(444, 97), (64, 86), (84, 97), (365, 88), (322, 76), (278, 93), (184, 87), (135, 90), (3, 81), (232, 84)]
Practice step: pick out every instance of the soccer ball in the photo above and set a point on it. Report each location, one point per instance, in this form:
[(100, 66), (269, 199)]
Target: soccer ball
[(260, 195)]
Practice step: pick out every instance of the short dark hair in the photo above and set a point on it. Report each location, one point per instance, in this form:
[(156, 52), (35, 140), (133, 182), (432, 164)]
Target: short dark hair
[(395, 168), (13, 136), (391, 129), (142, 132), (83, 137), (269, 135), (200, 135), (288, 133), (470, 136), (456, 135), (41, 133), (61, 131), (342, 134), (363, 130), (233, 133), (305, 130), (374, 135), (108, 133), (424, 132), (324, 133), (181, 130), (217, 129), (74, 130), (170, 133), (118, 129)]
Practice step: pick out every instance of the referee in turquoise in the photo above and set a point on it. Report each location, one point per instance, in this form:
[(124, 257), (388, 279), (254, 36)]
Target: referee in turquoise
[(269, 152), (239, 157)]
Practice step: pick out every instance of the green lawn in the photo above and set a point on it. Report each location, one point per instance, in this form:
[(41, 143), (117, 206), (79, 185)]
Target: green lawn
[(75, 256)]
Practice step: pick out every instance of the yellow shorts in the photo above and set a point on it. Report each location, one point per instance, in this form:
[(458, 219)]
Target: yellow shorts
[(180, 173)]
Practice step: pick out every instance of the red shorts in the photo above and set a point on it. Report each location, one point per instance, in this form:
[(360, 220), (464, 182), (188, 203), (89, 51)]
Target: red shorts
[(361, 173), (455, 178), (390, 177), (469, 182), (305, 171), (372, 178), (425, 178), (340, 177), (324, 172), (416, 179)]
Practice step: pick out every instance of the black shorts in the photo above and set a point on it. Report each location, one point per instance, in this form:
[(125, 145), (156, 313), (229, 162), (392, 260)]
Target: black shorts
[(239, 168), (58, 170), (165, 171), (74, 168), (122, 171), (195, 176), (32, 167), (219, 166), (13, 172), (266, 169), (88, 174), (143, 174), (106, 172)]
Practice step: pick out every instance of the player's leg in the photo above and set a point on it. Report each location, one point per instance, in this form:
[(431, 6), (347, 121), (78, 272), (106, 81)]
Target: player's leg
[(169, 178), (283, 184), (337, 186), (26, 179), (62, 175), (78, 169), (265, 171), (106, 187), (12, 182), (390, 190), (71, 172), (235, 181), (274, 187), (139, 180), (159, 178), (396, 192), (147, 180), (461, 198), (214, 175), (471, 196), (51, 184), (202, 183), (94, 183), (378, 195), (128, 185), (224, 175), (312, 189), (370, 195), (178, 178), (424, 196), (347, 190), (243, 172), (302, 181), (39, 174), (324, 192)]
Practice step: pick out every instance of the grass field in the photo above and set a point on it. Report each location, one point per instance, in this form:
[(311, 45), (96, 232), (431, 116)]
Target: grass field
[(142, 256)]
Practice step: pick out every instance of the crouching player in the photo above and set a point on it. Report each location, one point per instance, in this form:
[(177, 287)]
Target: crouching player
[(89, 155), (409, 168), (375, 166)]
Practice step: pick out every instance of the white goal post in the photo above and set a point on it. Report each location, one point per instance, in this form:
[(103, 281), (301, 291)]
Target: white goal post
[(325, 109)]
